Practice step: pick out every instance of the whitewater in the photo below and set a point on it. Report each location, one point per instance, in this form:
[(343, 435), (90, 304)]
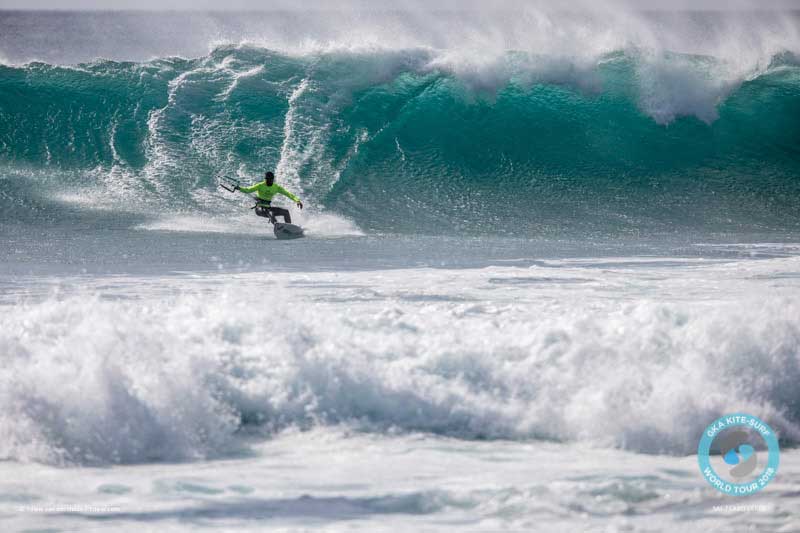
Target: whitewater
[(545, 250)]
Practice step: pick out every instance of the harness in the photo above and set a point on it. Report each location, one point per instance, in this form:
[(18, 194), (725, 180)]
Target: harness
[(264, 209)]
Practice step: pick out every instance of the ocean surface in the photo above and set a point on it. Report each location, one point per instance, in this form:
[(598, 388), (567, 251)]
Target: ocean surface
[(545, 249)]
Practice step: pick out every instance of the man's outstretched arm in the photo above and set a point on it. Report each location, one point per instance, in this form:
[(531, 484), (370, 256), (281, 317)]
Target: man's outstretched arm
[(251, 188), (291, 196)]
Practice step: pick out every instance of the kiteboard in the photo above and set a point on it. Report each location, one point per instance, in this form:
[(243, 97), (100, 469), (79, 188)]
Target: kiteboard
[(282, 230)]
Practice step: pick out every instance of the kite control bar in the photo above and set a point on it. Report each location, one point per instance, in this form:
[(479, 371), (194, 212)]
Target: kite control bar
[(229, 184)]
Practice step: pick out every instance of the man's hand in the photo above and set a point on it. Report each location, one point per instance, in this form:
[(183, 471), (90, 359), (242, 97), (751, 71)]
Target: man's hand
[(300, 205), (235, 187)]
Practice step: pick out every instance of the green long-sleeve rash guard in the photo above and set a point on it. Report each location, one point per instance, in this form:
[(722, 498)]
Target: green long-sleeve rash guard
[(265, 192)]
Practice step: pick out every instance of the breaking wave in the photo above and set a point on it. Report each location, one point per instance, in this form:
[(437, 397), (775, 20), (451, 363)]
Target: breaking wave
[(414, 139), (177, 378)]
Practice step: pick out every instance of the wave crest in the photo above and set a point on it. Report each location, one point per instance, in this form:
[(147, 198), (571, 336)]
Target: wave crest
[(633, 138)]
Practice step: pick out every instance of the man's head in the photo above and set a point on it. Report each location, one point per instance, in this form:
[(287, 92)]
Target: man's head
[(269, 177)]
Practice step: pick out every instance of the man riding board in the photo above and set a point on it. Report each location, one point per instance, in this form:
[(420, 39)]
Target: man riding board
[(265, 191)]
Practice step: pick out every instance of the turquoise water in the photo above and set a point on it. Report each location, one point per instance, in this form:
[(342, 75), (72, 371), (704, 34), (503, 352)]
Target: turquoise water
[(398, 145)]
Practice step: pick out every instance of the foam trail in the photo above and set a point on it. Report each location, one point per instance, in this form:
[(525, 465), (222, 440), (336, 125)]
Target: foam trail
[(291, 158)]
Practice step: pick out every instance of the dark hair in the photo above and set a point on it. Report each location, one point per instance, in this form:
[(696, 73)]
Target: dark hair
[(269, 174)]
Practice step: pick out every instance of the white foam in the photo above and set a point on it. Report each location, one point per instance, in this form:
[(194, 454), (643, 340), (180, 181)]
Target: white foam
[(293, 156), (207, 224), (315, 224), (640, 357), (325, 224)]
